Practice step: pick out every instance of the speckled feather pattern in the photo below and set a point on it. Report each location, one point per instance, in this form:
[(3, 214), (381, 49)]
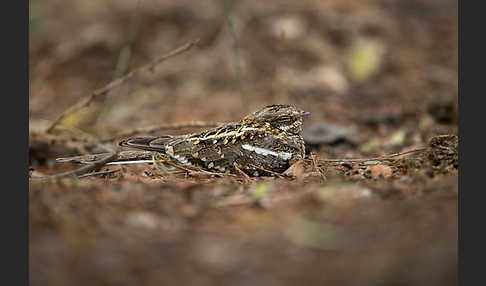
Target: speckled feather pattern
[(269, 138)]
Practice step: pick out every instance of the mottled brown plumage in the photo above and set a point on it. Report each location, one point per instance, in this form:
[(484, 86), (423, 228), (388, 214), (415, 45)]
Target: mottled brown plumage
[(269, 138)]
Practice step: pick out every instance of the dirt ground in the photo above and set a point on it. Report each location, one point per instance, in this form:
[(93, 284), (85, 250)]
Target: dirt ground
[(378, 76)]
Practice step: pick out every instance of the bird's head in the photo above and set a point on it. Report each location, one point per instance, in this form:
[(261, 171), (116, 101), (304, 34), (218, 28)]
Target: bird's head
[(284, 117)]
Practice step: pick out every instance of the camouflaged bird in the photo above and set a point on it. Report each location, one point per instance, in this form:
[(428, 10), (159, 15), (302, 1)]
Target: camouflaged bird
[(269, 138)]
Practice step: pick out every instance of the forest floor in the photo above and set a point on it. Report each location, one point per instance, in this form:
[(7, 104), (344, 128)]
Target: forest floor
[(379, 77)]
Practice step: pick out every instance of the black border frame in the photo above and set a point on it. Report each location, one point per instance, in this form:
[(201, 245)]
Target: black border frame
[(15, 89), (471, 87)]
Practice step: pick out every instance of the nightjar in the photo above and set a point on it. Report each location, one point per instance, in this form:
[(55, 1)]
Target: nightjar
[(270, 138)]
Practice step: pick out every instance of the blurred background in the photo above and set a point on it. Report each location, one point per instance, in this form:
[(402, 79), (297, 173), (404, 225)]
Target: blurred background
[(378, 76), (371, 65)]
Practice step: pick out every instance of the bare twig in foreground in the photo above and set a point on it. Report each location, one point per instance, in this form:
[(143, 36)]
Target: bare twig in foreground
[(383, 158), (101, 91), (122, 156), (99, 173), (265, 170), (245, 177), (81, 171)]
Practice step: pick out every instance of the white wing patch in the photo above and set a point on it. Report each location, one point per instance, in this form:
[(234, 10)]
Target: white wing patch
[(265, 152), (221, 169), (181, 159)]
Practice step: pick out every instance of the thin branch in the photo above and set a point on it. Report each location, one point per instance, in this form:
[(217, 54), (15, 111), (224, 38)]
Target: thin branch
[(175, 126), (101, 91), (421, 149), (81, 171), (245, 177), (99, 173), (188, 171), (383, 158), (122, 156), (265, 170)]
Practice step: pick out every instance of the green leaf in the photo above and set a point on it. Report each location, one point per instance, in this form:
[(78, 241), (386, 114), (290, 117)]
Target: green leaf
[(373, 162), (398, 138), (364, 60), (260, 191)]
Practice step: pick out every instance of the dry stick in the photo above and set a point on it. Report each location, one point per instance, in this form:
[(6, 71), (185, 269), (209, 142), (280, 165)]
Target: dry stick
[(78, 133), (171, 163), (122, 156), (168, 162), (175, 126), (316, 167), (246, 178), (191, 172), (265, 170), (83, 170), (98, 92), (99, 173), (383, 158)]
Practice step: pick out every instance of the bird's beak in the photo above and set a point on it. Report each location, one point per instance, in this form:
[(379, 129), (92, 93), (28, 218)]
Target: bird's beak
[(306, 113)]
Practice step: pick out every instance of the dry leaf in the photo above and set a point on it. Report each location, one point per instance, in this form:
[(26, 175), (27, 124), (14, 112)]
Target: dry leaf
[(380, 170), (296, 170)]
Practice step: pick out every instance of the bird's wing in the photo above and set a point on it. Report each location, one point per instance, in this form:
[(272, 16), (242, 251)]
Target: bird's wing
[(148, 143)]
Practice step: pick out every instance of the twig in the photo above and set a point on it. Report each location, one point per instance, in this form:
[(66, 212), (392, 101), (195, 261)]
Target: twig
[(99, 173), (168, 162), (407, 152), (122, 156), (101, 91), (265, 170), (246, 178), (175, 126), (189, 171), (81, 136), (194, 173), (382, 158), (81, 171), (316, 167)]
